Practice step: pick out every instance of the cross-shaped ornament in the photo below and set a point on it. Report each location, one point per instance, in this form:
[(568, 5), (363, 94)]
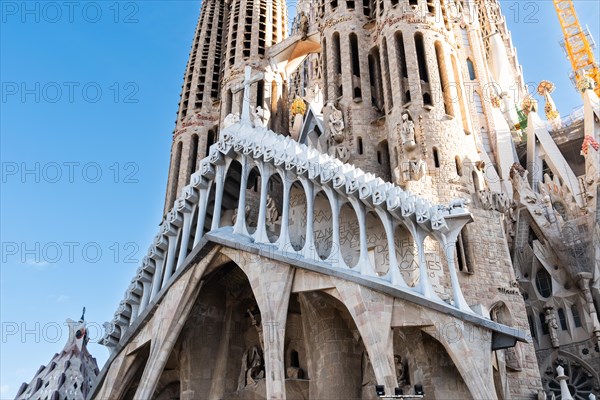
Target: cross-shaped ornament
[(248, 80)]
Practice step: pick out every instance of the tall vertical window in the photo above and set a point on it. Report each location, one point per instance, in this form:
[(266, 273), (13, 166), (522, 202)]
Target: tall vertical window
[(355, 64), (543, 282), (471, 69), (193, 157), (175, 176), (563, 319), (337, 64), (375, 79), (421, 58), (439, 53), (401, 60), (436, 158)]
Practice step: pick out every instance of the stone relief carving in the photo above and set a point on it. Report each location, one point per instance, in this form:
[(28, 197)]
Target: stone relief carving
[(550, 318), (337, 135), (401, 367), (253, 368), (260, 117), (407, 132), (231, 119), (414, 168)]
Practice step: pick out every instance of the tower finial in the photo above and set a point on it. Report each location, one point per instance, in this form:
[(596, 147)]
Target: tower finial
[(82, 315)]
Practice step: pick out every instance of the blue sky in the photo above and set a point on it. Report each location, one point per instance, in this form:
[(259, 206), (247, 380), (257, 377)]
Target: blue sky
[(89, 96)]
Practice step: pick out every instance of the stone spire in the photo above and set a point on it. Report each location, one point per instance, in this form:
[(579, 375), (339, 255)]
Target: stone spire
[(69, 375), (199, 105)]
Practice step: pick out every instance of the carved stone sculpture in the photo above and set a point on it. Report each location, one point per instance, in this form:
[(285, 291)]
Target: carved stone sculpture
[(259, 117), (230, 120), (552, 326), (407, 132)]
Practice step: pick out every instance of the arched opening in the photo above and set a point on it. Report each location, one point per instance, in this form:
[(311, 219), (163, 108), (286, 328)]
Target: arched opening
[(543, 282), (359, 145), (355, 63), (333, 340), (377, 245), (421, 57), (175, 175), (458, 165), (253, 189), (422, 68), (349, 235), (210, 140), (296, 358), (131, 380), (297, 217), (563, 319), (419, 357), (375, 80), (274, 207), (407, 255), (225, 324), (231, 194), (322, 226), (383, 158), (260, 94), (444, 81), (337, 65), (401, 60), (193, 160), (436, 157), (459, 94), (471, 68)]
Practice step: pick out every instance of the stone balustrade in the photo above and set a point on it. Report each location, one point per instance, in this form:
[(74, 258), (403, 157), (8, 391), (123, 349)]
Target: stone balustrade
[(299, 168)]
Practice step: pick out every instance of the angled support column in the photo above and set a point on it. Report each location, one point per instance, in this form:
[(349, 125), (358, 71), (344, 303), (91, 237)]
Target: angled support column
[(261, 236), (170, 319), (240, 221), (372, 314), (470, 349), (271, 282)]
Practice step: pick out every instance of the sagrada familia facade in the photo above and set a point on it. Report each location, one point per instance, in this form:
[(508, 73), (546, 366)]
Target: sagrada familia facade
[(369, 204)]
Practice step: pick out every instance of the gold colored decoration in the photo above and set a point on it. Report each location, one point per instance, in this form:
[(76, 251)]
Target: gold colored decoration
[(552, 114), (298, 107), (529, 104)]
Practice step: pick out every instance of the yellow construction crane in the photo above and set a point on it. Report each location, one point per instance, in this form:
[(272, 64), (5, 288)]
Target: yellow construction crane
[(577, 43)]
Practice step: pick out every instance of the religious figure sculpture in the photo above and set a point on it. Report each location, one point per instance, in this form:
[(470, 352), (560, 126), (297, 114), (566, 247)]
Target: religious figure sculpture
[(231, 119), (253, 368), (407, 132), (303, 26), (401, 371), (259, 117), (552, 326), (337, 135), (336, 124)]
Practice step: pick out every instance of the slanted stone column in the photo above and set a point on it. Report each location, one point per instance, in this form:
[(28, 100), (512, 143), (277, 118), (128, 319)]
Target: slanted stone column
[(469, 346), (372, 314), (168, 322), (271, 282)]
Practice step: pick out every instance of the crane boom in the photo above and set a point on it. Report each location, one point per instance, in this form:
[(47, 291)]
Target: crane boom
[(578, 47)]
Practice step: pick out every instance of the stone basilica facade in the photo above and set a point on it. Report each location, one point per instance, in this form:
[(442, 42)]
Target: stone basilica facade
[(370, 203)]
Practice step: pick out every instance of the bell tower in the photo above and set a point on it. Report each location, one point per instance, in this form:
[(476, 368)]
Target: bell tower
[(198, 113)]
